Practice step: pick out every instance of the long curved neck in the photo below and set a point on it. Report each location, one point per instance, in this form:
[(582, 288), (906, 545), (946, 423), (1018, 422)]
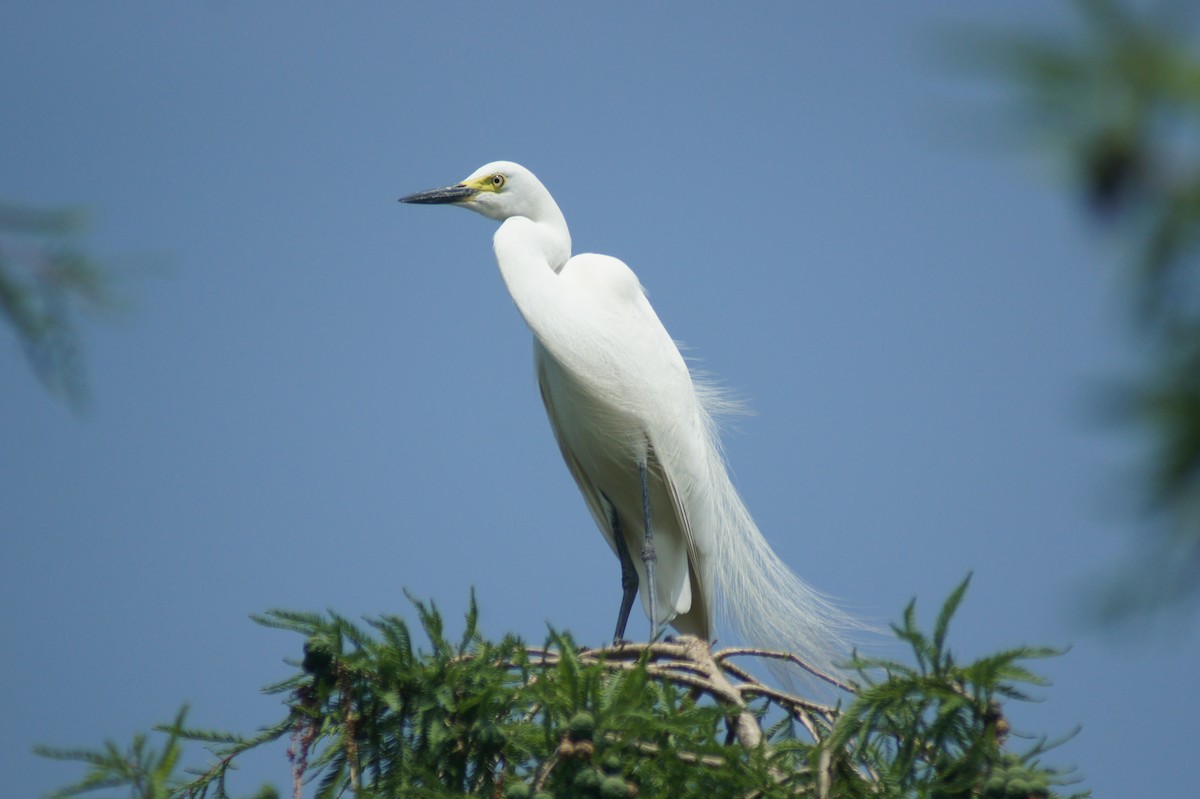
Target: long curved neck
[(549, 229), (530, 253)]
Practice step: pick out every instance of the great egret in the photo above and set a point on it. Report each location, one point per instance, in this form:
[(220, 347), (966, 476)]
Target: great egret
[(638, 435)]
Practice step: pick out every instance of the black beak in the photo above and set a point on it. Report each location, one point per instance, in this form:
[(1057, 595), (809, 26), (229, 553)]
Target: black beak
[(450, 194)]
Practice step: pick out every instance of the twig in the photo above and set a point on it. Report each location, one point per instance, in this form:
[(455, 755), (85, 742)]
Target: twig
[(712, 761), (791, 658), (790, 700), (348, 721)]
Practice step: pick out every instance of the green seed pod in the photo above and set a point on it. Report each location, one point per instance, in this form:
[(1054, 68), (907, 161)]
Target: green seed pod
[(994, 787), (611, 764), (318, 656), (1017, 788), (582, 726), (518, 790), (613, 788), (587, 779)]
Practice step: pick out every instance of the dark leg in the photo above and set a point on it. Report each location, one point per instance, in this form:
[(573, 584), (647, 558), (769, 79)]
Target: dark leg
[(629, 578), (648, 556)]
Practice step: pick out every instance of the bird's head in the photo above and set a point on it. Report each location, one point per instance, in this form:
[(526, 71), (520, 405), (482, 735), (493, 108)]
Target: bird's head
[(498, 190)]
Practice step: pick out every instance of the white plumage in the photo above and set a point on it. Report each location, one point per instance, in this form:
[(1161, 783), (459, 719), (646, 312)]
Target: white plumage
[(623, 405)]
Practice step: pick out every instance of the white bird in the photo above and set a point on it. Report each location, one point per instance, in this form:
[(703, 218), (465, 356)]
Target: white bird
[(638, 435)]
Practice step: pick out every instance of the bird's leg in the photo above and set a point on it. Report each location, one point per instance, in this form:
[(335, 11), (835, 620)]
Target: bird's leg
[(629, 578), (648, 556)]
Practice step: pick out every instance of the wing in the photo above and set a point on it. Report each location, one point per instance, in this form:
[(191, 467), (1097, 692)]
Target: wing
[(617, 391), (696, 620), (587, 487)]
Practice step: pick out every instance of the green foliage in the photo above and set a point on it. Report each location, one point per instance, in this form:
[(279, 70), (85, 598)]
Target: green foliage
[(148, 774), (370, 713), (937, 728), (143, 771), (472, 717)]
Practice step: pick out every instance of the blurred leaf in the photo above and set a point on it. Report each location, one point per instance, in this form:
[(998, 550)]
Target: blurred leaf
[(46, 279), (1119, 101)]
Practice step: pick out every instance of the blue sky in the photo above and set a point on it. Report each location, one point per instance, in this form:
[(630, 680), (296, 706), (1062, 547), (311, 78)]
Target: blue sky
[(320, 397)]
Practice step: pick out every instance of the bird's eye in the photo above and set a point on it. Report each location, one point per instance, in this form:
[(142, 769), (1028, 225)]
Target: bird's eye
[(497, 180)]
